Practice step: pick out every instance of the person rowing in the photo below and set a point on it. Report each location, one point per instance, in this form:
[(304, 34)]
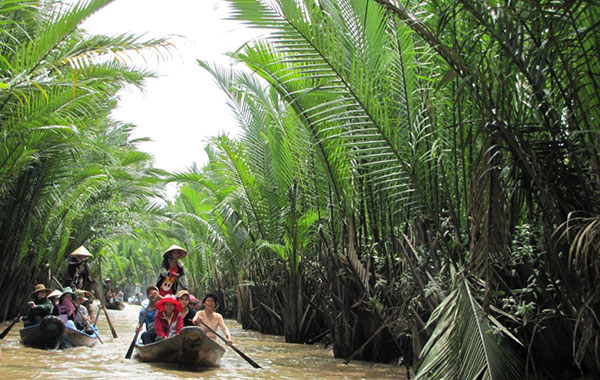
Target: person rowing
[(82, 317), (148, 315), (78, 275), (211, 318)]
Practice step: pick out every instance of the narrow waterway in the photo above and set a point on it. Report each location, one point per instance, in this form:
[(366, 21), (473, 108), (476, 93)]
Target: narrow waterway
[(279, 360)]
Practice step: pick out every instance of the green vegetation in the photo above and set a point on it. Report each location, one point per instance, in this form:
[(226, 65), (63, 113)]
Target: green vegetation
[(69, 174), (413, 179)]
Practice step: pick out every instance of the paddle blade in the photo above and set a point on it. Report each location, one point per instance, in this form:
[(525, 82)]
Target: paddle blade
[(246, 357), (14, 322), (130, 351), (132, 345)]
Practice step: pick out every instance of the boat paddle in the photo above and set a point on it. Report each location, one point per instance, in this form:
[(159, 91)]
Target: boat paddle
[(98, 295), (14, 322), (137, 332), (237, 350), (98, 314), (88, 323)]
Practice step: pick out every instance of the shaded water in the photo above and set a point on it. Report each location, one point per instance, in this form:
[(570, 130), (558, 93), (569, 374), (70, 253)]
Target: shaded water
[(279, 360)]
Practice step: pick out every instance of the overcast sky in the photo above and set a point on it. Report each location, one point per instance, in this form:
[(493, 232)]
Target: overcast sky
[(184, 106)]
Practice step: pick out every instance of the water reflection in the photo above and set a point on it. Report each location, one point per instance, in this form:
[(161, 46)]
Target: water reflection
[(279, 360)]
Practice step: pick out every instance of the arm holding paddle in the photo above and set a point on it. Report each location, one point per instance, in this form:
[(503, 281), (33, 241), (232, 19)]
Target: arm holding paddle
[(203, 317), (99, 296), (138, 328), (228, 341), (198, 320)]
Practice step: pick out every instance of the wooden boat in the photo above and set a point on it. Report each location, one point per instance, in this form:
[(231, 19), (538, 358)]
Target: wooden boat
[(117, 305), (53, 334), (192, 347)]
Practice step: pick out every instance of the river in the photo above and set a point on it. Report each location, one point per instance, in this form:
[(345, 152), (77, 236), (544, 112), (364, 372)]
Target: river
[(279, 360)]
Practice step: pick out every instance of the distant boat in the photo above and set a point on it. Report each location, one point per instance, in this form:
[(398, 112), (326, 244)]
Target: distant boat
[(117, 305), (192, 347), (53, 334)]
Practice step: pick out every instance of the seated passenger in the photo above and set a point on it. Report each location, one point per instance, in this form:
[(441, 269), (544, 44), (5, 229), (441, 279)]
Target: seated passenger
[(168, 320), (109, 297), (40, 307), (187, 313), (148, 317), (88, 304), (53, 297), (81, 317), (66, 307), (194, 302)]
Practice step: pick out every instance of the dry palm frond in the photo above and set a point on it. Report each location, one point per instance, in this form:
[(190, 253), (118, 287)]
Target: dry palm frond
[(583, 236)]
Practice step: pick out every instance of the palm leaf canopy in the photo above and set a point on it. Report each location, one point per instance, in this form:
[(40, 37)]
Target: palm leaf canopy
[(346, 80)]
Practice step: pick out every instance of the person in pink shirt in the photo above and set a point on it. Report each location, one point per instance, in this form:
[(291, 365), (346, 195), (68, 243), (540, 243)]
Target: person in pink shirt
[(169, 320)]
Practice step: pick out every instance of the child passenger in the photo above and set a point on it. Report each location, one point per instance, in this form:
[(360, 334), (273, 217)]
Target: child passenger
[(171, 271)]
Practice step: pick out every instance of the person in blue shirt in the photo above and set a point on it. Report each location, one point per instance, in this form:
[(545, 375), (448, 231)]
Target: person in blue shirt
[(148, 314)]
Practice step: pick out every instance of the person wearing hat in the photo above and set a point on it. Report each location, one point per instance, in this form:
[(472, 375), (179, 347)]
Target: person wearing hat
[(213, 319), (187, 313), (109, 297), (88, 304), (40, 307), (66, 307), (194, 302), (81, 316), (168, 320), (78, 276), (53, 297), (171, 271)]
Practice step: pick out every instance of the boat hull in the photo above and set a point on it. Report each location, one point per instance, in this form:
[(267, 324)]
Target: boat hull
[(192, 347), (115, 305), (53, 334)]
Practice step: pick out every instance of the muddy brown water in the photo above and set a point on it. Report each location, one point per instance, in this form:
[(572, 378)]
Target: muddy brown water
[(279, 360)]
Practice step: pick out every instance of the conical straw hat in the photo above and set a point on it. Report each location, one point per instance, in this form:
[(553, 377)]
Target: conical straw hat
[(175, 248), (81, 251)]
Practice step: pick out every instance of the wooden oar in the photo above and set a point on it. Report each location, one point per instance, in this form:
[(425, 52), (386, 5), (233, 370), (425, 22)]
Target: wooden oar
[(98, 295), (14, 322), (137, 332), (237, 350), (97, 315)]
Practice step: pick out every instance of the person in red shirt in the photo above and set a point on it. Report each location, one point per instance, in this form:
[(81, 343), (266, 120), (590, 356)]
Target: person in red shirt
[(171, 271), (169, 320)]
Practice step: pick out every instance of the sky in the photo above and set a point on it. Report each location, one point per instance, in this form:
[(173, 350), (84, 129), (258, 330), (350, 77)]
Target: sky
[(184, 106)]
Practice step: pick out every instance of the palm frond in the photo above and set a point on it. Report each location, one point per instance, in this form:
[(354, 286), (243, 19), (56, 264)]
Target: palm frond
[(474, 342)]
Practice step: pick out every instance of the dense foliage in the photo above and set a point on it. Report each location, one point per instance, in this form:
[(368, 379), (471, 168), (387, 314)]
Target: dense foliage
[(415, 181), (69, 174), (410, 161)]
